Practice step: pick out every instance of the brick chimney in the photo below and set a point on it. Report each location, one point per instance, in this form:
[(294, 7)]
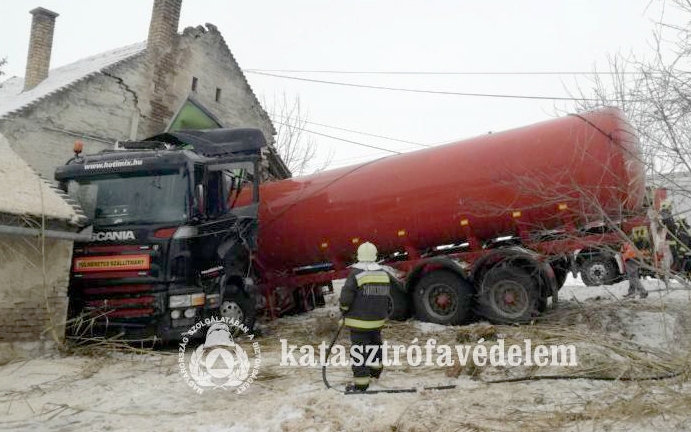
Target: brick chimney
[(40, 46), (163, 33), (165, 18)]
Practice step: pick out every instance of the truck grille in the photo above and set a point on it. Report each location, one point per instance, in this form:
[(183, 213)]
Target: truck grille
[(122, 301)]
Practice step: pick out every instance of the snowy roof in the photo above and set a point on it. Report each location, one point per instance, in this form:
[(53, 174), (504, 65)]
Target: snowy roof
[(25, 193), (13, 99)]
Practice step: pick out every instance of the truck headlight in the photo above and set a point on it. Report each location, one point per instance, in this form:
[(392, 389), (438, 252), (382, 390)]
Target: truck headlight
[(178, 301), (197, 299), (186, 300)]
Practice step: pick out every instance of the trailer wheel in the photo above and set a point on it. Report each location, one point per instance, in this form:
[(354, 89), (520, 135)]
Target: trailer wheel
[(239, 306), (510, 295), (308, 298), (598, 270), (443, 297)]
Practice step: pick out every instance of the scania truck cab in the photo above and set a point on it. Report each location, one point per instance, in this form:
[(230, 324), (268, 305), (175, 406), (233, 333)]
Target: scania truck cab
[(171, 243)]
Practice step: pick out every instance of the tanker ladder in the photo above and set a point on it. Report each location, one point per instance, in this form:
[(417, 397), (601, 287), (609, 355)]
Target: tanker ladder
[(387, 390)]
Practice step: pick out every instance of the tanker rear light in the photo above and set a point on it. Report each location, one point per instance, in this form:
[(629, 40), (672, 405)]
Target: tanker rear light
[(563, 206), (355, 240), (324, 245), (401, 233), (516, 214), (465, 222)]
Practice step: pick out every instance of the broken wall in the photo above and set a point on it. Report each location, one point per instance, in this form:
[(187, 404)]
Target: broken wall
[(34, 274)]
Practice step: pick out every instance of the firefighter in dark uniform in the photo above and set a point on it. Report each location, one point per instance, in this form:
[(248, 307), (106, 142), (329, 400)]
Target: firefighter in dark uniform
[(364, 303)]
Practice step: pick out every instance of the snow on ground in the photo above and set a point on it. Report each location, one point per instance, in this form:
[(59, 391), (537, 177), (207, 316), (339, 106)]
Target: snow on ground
[(129, 391)]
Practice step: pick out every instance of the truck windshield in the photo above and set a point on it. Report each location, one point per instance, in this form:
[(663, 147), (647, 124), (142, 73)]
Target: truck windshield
[(132, 198)]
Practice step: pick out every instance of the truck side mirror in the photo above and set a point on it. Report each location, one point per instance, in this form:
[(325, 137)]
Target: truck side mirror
[(199, 196)]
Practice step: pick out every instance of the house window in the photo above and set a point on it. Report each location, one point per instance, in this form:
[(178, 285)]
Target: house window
[(218, 94), (194, 83)]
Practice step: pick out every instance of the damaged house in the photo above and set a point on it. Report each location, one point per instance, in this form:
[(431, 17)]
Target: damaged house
[(37, 230), (169, 82)]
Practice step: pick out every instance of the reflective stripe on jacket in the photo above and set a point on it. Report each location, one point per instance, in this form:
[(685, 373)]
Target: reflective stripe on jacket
[(365, 298)]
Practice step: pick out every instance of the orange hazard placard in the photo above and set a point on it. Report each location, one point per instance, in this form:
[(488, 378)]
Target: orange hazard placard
[(111, 263)]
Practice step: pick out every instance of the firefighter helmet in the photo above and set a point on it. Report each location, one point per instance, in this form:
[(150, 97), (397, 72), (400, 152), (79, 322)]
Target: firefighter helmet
[(367, 252)]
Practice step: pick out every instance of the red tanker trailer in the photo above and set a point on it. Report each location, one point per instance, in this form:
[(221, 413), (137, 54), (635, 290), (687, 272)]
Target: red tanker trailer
[(477, 225), (183, 231)]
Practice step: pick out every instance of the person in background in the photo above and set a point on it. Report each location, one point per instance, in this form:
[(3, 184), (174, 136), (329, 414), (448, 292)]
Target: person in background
[(663, 256), (364, 303), (684, 247), (631, 257)]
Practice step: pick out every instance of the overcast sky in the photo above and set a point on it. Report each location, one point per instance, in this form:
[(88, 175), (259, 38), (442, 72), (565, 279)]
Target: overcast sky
[(398, 36)]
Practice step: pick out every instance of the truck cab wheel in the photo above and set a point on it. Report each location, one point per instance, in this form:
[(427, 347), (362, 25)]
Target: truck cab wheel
[(509, 295), (240, 307), (443, 297)]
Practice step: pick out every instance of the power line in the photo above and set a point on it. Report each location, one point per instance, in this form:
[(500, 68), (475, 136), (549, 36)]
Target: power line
[(439, 92), (355, 160), (341, 139), (355, 72), (353, 131), (350, 160)]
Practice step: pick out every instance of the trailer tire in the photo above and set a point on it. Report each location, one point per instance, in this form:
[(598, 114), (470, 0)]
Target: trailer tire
[(598, 270), (510, 295), (240, 306), (308, 300), (443, 297)]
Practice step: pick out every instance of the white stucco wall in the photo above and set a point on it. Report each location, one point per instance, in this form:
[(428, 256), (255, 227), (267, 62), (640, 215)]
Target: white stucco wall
[(98, 106), (33, 294), (203, 54)]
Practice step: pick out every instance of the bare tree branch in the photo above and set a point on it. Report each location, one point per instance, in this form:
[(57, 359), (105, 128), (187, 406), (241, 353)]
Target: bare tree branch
[(655, 95), (297, 148)]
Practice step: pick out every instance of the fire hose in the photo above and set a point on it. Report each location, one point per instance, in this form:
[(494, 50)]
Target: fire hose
[(391, 390)]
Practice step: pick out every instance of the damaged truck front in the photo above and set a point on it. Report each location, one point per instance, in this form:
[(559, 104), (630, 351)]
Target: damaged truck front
[(169, 244)]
